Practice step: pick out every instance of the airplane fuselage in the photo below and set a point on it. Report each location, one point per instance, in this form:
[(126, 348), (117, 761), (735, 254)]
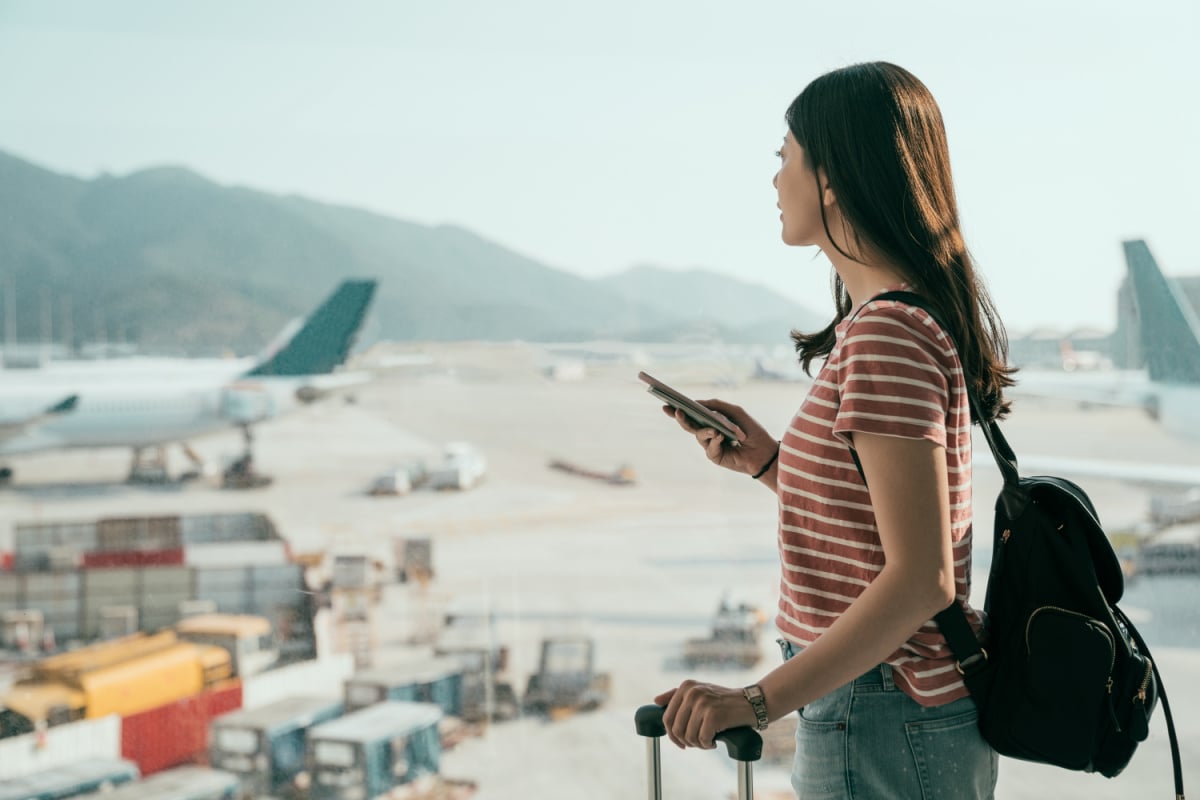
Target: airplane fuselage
[(142, 414)]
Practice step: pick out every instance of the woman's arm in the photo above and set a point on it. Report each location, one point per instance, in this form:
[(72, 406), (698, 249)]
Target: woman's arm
[(910, 494)]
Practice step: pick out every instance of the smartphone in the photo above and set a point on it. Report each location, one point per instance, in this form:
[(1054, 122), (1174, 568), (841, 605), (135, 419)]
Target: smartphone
[(700, 415)]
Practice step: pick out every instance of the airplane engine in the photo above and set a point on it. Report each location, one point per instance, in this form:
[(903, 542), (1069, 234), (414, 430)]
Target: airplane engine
[(244, 403)]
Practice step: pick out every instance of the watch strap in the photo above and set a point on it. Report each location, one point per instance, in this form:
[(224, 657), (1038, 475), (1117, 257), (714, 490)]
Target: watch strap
[(754, 696)]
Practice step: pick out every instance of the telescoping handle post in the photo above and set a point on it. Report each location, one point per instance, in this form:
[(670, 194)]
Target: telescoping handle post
[(744, 745)]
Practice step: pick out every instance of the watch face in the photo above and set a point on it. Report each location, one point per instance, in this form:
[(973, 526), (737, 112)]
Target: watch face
[(758, 703)]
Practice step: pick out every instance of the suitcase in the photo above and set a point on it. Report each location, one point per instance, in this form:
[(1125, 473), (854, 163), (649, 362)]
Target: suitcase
[(744, 745)]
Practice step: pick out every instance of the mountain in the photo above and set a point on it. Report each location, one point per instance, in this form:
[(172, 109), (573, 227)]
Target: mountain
[(736, 311), (177, 263)]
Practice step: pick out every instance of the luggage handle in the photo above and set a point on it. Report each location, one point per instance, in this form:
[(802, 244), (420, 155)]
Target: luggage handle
[(743, 744)]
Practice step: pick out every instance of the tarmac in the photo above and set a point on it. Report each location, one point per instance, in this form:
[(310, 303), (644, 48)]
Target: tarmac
[(640, 568)]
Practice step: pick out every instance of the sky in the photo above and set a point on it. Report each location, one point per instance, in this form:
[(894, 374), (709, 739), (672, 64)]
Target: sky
[(597, 136)]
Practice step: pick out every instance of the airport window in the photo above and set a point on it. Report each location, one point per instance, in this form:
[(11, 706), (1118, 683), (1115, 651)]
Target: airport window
[(320, 333)]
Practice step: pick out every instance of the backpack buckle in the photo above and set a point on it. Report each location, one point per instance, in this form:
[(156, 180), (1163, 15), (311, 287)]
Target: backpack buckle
[(972, 664)]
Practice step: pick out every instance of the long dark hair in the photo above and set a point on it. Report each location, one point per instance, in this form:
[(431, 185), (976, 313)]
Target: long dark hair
[(876, 133)]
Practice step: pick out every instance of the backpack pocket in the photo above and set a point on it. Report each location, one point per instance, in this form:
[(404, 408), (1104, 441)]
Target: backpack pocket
[(1070, 659), (1133, 699)]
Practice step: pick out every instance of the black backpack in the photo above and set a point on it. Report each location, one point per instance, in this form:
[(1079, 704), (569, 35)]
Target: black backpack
[(1062, 676)]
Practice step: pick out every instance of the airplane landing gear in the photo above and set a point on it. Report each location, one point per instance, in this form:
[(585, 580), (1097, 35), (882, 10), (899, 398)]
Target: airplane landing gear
[(241, 474), (149, 468)]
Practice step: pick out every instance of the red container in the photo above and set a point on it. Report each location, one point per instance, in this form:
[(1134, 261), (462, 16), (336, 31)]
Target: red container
[(6, 562), (177, 733), (133, 558)]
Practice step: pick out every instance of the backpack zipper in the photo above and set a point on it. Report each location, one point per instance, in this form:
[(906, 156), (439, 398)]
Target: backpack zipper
[(1112, 645), (1141, 693)]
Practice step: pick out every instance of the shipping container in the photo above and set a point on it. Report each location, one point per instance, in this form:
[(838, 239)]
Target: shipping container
[(133, 558), (59, 746), (50, 545), (177, 732), (227, 527), (70, 665), (70, 780), (435, 679), (265, 746), (323, 676), (138, 533), (248, 639), (118, 586), (147, 682), (236, 554), (181, 783), (367, 753), (163, 590)]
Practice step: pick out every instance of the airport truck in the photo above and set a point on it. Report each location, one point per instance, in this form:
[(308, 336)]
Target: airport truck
[(462, 467), (71, 780), (265, 747), (566, 679), (368, 753), (732, 640), (248, 638), (486, 694), (126, 687), (183, 783), (436, 679)]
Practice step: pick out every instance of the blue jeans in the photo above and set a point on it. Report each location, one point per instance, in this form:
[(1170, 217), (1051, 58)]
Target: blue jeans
[(870, 741)]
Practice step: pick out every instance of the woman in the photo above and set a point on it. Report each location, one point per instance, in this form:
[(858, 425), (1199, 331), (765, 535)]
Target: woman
[(865, 176)]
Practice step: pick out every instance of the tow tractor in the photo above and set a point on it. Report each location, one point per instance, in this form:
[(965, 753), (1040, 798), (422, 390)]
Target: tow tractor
[(566, 680)]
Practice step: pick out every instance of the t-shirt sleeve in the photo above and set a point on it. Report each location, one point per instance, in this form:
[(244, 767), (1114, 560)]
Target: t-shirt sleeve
[(892, 377)]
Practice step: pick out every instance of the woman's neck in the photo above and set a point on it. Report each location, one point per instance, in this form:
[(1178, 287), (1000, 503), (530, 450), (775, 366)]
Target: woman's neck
[(863, 281)]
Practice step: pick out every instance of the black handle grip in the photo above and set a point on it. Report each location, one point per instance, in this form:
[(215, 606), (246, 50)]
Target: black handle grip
[(742, 744)]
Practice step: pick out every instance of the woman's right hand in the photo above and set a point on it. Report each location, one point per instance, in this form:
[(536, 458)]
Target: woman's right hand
[(755, 445)]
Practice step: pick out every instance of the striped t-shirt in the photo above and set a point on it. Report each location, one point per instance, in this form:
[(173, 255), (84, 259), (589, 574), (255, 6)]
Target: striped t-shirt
[(892, 371)]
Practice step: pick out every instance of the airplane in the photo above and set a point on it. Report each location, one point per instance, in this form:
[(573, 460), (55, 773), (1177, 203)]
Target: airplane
[(163, 401), (1168, 389)]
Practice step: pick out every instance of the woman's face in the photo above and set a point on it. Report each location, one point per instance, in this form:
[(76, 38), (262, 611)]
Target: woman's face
[(799, 198)]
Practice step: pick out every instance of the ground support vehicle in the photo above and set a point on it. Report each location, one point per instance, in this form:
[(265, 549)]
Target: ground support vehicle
[(462, 467), (182, 783), (265, 747), (412, 558), (733, 640), (249, 639), (126, 687), (486, 694), (436, 679), (368, 753), (70, 780), (566, 679)]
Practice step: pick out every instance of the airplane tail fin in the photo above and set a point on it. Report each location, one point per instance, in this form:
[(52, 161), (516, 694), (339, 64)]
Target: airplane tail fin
[(324, 341), (1167, 323)]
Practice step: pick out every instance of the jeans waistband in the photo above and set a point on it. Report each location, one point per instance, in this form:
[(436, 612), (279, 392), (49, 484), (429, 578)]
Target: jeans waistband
[(878, 678)]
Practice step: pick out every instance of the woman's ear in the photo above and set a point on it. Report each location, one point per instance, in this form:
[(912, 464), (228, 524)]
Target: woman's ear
[(828, 198)]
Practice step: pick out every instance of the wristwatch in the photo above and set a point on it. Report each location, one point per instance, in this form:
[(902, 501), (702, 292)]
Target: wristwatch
[(754, 695)]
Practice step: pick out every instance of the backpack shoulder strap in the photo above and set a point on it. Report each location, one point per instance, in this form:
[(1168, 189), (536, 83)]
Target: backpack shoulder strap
[(952, 621)]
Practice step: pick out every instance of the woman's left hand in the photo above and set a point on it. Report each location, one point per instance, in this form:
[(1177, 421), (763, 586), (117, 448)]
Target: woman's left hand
[(696, 712)]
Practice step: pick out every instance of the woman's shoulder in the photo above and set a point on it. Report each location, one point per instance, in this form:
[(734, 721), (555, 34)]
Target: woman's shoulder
[(895, 319)]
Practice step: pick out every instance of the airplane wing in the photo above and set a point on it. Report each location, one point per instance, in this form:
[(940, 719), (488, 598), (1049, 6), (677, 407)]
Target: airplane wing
[(1119, 388), (12, 428), (320, 386), (1160, 476)]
